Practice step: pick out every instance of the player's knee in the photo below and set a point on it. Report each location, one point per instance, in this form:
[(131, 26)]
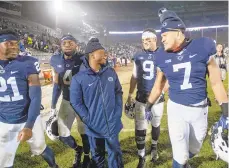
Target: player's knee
[(181, 158), (38, 147), (156, 121), (195, 150), (140, 124)]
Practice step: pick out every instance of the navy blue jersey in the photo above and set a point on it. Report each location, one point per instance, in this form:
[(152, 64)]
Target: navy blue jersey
[(14, 88), (186, 71), (66, 68), (145, 70)]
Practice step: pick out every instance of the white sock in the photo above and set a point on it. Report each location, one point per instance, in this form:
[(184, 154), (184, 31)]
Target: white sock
[(141, 152)]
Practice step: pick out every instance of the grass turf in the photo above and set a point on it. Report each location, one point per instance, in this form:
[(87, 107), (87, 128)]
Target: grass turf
[(64, 155)]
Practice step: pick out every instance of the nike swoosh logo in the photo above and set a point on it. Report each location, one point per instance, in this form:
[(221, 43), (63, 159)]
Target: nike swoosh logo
[(191, 56), (76, 66), (13, 72), (90, 84)]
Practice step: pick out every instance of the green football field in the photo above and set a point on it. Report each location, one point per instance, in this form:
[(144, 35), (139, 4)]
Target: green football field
[(64, 155)]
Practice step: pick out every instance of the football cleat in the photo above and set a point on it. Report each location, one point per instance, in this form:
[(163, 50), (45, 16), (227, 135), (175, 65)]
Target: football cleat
[(52, 126), (78, 154), (86, 161), (141, 162), (154, 154), (129, 110), (219, 142)]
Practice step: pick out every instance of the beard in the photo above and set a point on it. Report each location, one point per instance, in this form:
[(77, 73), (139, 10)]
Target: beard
[(70, 53)]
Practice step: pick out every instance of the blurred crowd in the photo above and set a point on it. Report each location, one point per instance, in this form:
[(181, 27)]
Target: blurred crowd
[(120, 54), (31, 36)]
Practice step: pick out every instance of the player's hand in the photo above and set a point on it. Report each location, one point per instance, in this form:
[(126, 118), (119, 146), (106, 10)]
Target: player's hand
[(24, 135), (148, 112), (129, 100), (148, 116), (223, 122)]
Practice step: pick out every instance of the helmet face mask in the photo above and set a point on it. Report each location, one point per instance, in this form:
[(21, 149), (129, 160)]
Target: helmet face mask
[(130, 110), (219, 142), (52, 127)]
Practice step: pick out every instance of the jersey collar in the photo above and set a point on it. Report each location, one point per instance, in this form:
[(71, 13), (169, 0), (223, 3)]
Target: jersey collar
[(147, 51), (185, 43)]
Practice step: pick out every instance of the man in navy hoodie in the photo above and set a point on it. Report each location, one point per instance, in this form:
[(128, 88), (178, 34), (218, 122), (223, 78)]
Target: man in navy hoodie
[(96, 96)]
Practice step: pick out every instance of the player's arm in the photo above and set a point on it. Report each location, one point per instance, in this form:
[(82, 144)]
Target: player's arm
[(166, 87), (35, 101), (56, 89), (133, 84), (217, 85), (157, 88), (76, 100)]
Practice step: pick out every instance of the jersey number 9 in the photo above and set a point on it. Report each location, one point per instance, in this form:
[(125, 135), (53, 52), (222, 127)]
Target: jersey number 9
[(148, 67)]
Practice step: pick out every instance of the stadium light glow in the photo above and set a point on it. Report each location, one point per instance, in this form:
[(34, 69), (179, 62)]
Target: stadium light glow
[(188, 29), (58, 5)]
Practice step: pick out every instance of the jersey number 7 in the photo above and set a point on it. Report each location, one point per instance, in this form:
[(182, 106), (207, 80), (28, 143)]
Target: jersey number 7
[(187, 72)]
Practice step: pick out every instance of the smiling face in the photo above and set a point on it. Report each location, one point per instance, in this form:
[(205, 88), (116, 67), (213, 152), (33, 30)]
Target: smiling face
[(99, 56), (219, 48), (149, 40), (170, 39), (149, 43)]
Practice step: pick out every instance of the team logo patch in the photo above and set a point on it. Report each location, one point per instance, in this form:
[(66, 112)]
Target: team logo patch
[(2, 70), (110, 79), (150, 56), (67, 65), (164, 24), (180, 57)]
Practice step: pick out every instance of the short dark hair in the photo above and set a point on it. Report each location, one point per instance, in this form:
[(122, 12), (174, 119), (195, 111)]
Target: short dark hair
[(150, 30), (8, 31)]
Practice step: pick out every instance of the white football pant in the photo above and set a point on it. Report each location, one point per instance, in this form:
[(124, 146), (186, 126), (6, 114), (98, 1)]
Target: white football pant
[(66, 117), (9, 144), (187, 129), (141, 122)]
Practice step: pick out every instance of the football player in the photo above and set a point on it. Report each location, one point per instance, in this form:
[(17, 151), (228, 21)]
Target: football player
[(144, 74), (20, 99), (184, 62), (66, 65), (96, 95)]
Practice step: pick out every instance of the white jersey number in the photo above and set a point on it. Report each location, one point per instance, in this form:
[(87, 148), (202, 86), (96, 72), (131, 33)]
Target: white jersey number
[(37, 65), (3, 87), (148, 66), (187, 72), (67, 77)]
